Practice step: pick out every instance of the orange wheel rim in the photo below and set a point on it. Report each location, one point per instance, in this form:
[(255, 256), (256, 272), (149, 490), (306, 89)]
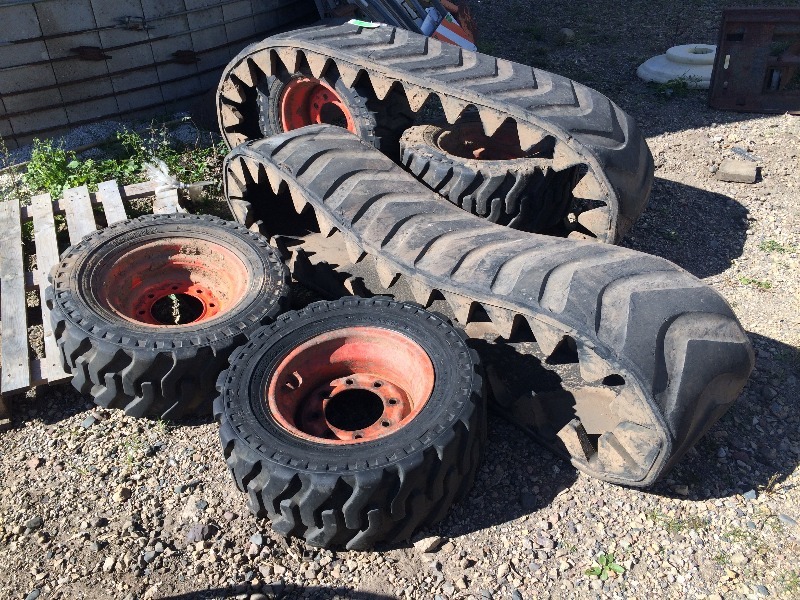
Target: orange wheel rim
[(308, 101), (172, 282), (350, 385)]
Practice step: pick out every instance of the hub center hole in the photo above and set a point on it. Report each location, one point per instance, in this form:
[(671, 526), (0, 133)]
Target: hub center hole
[(332, 115), (352, 410), (177, 309)]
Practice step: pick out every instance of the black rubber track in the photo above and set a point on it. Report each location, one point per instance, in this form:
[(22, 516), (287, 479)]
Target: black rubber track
[(522, 193), (159, 371), (587, 130), (356, 495), (674, 341)]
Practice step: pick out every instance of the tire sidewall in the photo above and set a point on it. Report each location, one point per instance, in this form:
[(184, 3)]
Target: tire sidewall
[(449, 402)]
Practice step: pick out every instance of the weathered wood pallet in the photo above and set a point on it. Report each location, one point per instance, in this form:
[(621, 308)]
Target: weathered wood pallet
[(20, 370)]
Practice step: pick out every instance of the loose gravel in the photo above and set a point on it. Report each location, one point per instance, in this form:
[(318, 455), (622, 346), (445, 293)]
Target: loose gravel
[(97, 505)]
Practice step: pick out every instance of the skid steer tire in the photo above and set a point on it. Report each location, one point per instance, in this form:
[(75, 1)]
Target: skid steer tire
[(521, 192), (652, 356), (587, 132), (334, 474), (119, 298)]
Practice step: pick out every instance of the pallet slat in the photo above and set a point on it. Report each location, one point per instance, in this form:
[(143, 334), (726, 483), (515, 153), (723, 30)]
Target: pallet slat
[(80, 216), (109, 195), (44, 233), (14, 324)]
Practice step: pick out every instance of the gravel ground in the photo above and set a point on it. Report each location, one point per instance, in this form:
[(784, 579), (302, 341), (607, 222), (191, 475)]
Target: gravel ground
[(97, 505)]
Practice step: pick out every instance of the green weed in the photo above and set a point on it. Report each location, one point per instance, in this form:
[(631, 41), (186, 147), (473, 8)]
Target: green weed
[(605, 565), (774, 246), (674, 88), (760, 284)]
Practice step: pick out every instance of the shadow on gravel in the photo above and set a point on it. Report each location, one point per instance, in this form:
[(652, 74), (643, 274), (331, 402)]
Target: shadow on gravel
[(699, 230), (283, 592)]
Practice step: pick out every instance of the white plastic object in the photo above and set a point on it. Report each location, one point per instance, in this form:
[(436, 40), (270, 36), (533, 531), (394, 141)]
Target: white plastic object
[(691, 63)]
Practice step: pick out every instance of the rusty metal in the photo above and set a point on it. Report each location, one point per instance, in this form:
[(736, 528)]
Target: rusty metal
[(185, 57), (350, 385), (757, 67)]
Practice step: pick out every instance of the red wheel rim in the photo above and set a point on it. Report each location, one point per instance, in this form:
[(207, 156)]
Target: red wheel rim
[(350, 385), (172, 282), (308, 101)]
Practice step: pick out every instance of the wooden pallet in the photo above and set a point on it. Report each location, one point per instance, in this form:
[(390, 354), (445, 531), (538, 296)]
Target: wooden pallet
[(18, 371)]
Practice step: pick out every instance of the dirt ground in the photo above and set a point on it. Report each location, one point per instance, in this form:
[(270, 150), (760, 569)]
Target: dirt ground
[(97, 505)]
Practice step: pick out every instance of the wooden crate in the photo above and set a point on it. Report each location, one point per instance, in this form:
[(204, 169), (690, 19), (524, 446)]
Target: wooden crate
[(18, 370)]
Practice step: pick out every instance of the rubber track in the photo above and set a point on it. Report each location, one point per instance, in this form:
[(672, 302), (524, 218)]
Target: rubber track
[(676, 342), (347, 504), (166, 375), (587, 127)]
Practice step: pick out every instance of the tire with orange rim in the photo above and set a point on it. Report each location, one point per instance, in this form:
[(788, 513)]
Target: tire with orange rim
[(295, 100), (352, 423), (147, 311), (490, 176)]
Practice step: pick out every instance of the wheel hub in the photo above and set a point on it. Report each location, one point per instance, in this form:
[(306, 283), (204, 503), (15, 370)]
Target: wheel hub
[(350, 385), (308, 101)]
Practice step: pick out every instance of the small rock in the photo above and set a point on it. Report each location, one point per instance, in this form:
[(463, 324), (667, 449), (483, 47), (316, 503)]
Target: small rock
[(739, 559), (257, 539), (762, 590), (34, 462), (566, 35), (516, 595), (461, 583), (108, 564), (228, 516), (34, 523), (749, 495), (682, 490), (88, 422), (787, 520), (197, 533), (149, 556), (202, 504), (34, 594), (428, 544), (737, 171), (486, 595), (502, 570), (121, 494)]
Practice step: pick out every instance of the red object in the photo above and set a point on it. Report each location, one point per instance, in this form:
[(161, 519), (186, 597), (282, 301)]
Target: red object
[(143, 284), (308, 101), (350, 385)]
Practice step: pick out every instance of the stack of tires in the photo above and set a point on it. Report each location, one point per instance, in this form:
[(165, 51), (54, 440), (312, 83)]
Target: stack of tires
[(356, 421)]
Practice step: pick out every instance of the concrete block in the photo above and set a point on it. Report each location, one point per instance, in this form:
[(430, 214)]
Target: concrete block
[(240, 29), (237, 9), (136, 79), (193, 4), (5, 130), (25, 78), (160, 8), (217, 58), (111, 13), (208, 38), (61, 16), (205, 18), (209, 81), (93, 110), (163, 49), (737, 171), (75, 68), (180, 89), (24, 102), (170, 26), (170, 72), (24, 125), (24, 54), (20, 22), (130, 58), (86, 91), (132, 101)]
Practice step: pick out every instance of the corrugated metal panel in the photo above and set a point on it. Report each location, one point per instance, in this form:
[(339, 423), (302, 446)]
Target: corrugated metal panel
[(69, 62)]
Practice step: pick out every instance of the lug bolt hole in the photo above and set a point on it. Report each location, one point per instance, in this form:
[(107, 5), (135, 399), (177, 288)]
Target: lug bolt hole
[(392, 401), (385, 423), (358, 436), (348, 381), (377, 384)]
